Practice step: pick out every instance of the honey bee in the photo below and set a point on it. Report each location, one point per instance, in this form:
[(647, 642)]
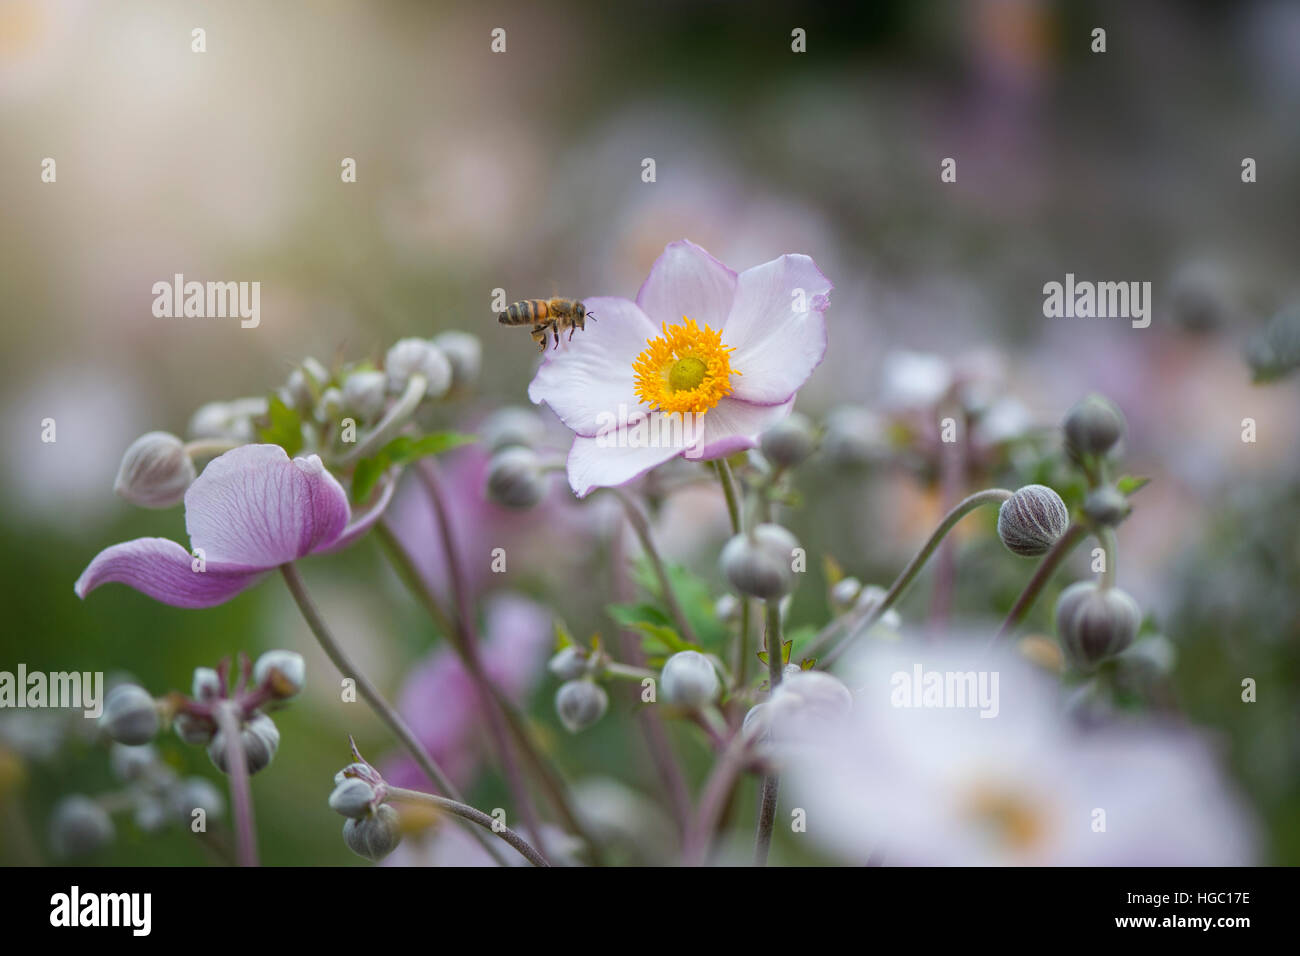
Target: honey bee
[(548, 316)]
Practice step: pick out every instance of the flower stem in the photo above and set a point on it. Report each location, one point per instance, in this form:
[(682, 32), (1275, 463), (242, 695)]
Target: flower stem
[(636, 517), (466, 812), (1106, 538), (714, 799), (469, 641), (1046, 568), (770, 790), (228, 721), (906, 576), (728, 481), (383, 710)]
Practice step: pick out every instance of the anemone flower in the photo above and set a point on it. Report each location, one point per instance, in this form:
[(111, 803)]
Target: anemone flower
[(699, 365), (250, 511)]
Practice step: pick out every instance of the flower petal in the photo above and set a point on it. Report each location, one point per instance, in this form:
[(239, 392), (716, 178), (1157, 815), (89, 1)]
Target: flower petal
[(732, 426), (776, 348), (593, 463), (252, 508), (592, 375), (164, 571), (362, 522), (687, 281)]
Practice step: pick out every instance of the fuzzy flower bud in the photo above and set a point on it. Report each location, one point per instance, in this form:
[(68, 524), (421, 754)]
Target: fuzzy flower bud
[(375, 835), (1095, 624), (196, 793), (1106, 506), (418, 357), (788, 442), (465, 353), (727, 609), (79, 826), (689, 680), (131, 762), (365, 393), (353, 798), (206, 684), (260, 739), (284, 672), (760, 563), (569, 663), (513, 425), (130, 715), (844, 593), (515, 478), (1032, 520), (330, 406), (1093, 426), (194, 730), (579, 704), (155, 471)]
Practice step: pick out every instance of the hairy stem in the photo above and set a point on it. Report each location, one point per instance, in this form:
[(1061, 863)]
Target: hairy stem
[(383, 710), (466, 812), (909, 573), (1046, 568), (728, 481), (771, 786), (241, 797)]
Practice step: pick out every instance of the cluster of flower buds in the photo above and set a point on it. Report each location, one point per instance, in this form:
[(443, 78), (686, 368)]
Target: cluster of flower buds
[(153, 794), (516, 476), (580, 700), (265, 686), (372, 828)]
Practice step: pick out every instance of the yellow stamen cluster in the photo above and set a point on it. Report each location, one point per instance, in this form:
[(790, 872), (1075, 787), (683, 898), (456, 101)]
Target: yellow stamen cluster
[(687, 369)]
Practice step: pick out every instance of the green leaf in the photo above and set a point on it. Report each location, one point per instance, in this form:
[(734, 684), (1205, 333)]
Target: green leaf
[(282, 427), (402, 450), (692, 594), (1131, 483), (808, 663), (563, 638), (648, 621), (367, 474), (785, 652)]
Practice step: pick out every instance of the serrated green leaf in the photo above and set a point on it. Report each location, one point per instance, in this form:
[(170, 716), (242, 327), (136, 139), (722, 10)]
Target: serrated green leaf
[(282, 426), (563, 638), (808, 663)]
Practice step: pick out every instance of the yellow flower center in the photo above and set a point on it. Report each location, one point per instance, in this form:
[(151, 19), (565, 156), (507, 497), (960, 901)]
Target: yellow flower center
[(687, 369), (1015, 822)]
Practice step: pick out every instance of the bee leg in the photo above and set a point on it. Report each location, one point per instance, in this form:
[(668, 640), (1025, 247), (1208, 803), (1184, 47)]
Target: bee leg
[(539, 336), (572, 329), (555, 331)]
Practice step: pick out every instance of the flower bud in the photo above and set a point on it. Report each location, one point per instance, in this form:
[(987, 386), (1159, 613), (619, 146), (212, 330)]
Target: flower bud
[(130, 715), (465, 353), (150, 812), (352, 798), (131, 763), (232, 421), (298, 391), (801, 696), (330, 406), (196, 793), (1093, 426), (418, 357), (1032, 520), (365, 393), (760, 563), (689, 680), (569, 663), (727, 609), (580, 703), (513, 425), (788, 442), (194, 730), (1095, 623), (1106, 506), (515, 478), (283, 672), (79, 826), (206, 685), (260, 739), (375, 835), (353, 770), (155, 471), (845, 593)]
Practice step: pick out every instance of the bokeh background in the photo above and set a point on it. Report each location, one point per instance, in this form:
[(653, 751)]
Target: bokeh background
[(522, 171)]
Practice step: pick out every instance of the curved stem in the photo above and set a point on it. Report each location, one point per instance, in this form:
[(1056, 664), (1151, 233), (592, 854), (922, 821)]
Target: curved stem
[(209, 447), (469, 641), (391, 423), (770, 790), (383, 710), (641, 526), (909, 573), (240, 794), (1064, 545), (714, 799), (466, 812)]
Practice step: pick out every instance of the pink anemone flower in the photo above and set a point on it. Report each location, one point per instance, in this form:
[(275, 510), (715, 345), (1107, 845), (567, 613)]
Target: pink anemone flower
[(250, 511), (700, 365)]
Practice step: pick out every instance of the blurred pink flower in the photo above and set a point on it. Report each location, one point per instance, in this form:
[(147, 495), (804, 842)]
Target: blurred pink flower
[(441, 703), (250, 511), (699, 340)]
